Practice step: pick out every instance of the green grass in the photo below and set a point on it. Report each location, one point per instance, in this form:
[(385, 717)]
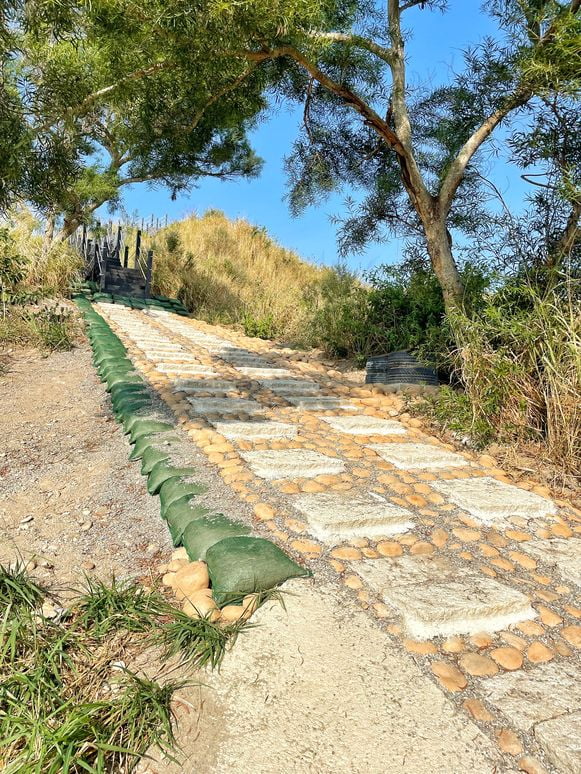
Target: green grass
[(64, 706), (48, 329)]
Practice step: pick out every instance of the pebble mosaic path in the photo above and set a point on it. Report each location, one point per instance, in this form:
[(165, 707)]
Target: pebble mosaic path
[(475, 576)]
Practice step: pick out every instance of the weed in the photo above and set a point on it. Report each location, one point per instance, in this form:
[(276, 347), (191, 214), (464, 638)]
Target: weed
[(17, 589), (104, 608), (200, 641)]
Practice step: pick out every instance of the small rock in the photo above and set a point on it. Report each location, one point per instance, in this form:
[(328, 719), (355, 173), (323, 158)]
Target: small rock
[(27, 519), (180, 553), (152, 548), (531, 765), (175, 565), (477, 665), (450, 676), (86, 512), (572, 634), (537, 653), (86, 526), (191, 578), (88, 565), (201, 604), (478, 711), (508, 658), (509, 742), (117, 666)]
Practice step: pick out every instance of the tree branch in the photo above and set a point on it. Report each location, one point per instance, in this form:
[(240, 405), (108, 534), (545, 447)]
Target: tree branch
[(219, 94), (411, 175), (358, 41), (457, 168)]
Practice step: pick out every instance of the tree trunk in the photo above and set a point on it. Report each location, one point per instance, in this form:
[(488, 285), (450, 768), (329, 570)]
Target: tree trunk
[(443, 264)]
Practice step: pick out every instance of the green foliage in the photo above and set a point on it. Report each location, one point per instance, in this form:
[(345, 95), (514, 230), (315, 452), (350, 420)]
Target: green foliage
[(395, 308), (263, 328), (12, 270), (518, 360), (63, 706)]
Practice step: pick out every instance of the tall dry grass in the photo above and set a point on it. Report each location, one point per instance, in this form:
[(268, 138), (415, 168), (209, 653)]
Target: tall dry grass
[(521, 370), (46, 272), (232, 272)]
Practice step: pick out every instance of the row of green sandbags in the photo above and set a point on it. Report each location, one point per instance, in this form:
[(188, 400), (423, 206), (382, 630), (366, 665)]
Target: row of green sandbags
[(238, 563), (162, 303)]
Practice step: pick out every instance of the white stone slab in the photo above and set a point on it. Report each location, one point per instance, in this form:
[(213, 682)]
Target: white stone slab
[(269, 430), (291, 463), (186, 369), (203, 380), (565, 555), (493, 501), (290, 386), (334, 517), (560, 738), (206, 385), (436, 598), (418, 456), (364, 425), (225, 406), (265, 373), (541, 693), (322, 403)]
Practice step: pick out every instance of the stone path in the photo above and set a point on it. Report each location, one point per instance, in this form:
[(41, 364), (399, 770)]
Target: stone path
[(474, 576)]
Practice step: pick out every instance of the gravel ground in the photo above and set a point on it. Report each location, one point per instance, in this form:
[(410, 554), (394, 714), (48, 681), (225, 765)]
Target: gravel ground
[(70, 499)]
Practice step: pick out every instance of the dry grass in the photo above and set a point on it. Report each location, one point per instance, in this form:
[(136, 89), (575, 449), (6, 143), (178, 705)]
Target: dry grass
[(231, 272), (46, 273), (521, 372)]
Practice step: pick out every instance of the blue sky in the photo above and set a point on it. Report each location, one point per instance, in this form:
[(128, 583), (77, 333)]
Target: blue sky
[(434, 52)]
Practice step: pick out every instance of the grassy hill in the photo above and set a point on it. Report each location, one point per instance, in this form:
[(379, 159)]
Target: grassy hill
[(233, 272)]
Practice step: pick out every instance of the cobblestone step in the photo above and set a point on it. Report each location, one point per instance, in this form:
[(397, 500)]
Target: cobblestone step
[(474, 575)]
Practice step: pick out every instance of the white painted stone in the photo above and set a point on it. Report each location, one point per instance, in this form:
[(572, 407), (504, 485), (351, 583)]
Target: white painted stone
[(225, 406), (291, 463), (436, 598), (334, 517), (364, 425), (418, 456), (560, 738), (265, 373), (493, 501), (205, 385), (541, 693), (187, 369), (565, 555), (322, 403), (290, 386), (274, 430)]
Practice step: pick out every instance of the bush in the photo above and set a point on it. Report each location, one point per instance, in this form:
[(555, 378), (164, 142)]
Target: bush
[(519, 361), (395, 308), (48, 328)]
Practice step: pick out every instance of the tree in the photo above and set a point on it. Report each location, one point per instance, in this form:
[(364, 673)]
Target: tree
[(105, 108), (417, 158)]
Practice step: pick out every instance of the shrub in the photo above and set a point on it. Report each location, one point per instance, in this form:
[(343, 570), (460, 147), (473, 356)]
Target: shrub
[(519, 361)]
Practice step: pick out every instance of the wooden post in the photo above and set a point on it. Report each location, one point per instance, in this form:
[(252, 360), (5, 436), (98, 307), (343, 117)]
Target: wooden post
[(148, 273), (137, 247), (118, 244), (104, 259), (84, 240), (126, 256)]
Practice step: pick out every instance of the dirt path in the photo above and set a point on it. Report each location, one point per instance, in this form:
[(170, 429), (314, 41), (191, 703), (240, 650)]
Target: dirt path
[(436, 635)]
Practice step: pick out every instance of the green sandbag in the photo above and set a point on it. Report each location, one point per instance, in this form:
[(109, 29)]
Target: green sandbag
[(177, 489), (130, 378), (128, 405), (241, 565), (161, 472), (151, 456), (180, 515), (203, 533), (147, 427), (129, 391), (143, 443), (132, 414)]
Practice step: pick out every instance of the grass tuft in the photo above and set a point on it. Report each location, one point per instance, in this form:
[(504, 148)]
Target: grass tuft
[(104, 608)]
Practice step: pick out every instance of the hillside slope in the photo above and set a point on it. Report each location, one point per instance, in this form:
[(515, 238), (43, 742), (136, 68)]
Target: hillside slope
[(233, 272)]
